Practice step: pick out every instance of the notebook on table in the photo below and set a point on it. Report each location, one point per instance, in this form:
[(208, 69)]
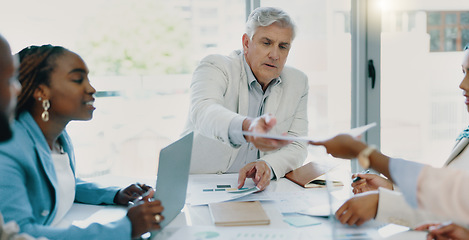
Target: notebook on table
[(311, 175), (238, 213), (173, 177)]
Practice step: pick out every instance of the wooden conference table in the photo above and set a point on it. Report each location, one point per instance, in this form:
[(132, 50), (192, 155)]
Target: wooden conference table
[(279, 200)]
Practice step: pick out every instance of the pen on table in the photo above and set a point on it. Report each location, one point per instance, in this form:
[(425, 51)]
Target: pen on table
[(357, 178)]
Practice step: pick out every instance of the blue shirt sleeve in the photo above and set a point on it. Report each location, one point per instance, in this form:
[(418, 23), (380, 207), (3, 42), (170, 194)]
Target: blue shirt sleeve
[(234, 131), (405, 175)]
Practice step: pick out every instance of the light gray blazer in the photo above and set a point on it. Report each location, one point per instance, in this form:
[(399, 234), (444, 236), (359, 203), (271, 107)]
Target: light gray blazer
[(219, 93)]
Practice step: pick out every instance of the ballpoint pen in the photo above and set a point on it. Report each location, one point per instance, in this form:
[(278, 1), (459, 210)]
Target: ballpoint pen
[(357, 178)]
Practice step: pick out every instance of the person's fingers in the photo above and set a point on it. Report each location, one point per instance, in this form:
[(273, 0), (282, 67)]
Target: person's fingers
[(264, 183), (317, 143), (158, 218), (359, 183), (424, 226), (157, 204), (430, 236), (367, 176), (270, 122), (259, 173), (132, 190), (242, 177), (345, 216), (341, 210), (363, 185), (443, 229), (251, 173), (353, 219), (359, 189), (264, 178), (144, 187), (148, 195), (143, 217)]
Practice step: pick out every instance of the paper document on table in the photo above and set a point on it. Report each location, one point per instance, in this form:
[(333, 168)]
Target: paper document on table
[(214, 197), (203, 190), (355, 132)]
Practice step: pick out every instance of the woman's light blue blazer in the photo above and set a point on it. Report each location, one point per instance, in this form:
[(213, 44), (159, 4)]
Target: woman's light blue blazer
[(28, 186)]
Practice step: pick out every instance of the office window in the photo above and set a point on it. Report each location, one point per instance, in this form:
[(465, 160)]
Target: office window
[(322, 50), (141, 55), (448, 30), (422, 108)]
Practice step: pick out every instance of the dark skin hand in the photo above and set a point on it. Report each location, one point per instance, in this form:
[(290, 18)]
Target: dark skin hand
[(347, 147), (358, 209), (142, 215), (370, 182), (130, 193), (445, 231)]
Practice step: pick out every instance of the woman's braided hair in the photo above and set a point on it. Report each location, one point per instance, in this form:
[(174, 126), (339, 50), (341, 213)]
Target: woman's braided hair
[(36, 64)]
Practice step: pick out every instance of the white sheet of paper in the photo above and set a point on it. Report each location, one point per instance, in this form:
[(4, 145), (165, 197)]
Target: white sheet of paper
[(196, 195), (354, 132)]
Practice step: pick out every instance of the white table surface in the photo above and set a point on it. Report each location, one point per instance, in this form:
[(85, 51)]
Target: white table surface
[(195, 219)]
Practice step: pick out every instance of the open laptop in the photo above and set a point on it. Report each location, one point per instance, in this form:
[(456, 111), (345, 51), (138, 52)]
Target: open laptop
[(172, 178)]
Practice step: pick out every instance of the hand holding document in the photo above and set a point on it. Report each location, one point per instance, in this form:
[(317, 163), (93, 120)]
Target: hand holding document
[(262, 125), (355, 132)]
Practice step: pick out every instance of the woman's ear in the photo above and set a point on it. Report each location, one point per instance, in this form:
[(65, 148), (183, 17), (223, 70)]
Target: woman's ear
[(41, 92)]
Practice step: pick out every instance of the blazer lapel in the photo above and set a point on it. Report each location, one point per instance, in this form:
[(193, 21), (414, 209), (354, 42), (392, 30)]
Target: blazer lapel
[(41, 147), (460, 145), (243, 96), (45, 158)]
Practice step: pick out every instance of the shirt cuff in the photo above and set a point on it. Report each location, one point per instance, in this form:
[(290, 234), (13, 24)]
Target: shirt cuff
[(235, 131), (405, 174)]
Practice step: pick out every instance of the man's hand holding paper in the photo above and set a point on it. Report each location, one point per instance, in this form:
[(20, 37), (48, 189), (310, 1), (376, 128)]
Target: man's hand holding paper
[(354, 132), (262, 125)]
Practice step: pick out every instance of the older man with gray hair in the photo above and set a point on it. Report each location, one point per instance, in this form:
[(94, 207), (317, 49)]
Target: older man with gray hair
[(250, 90)]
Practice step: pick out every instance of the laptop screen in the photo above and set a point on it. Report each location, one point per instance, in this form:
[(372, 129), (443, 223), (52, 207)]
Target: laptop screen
[(172, 178)]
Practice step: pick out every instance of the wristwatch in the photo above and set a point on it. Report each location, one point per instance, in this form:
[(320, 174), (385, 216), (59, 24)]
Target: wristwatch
[(364, 156)]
